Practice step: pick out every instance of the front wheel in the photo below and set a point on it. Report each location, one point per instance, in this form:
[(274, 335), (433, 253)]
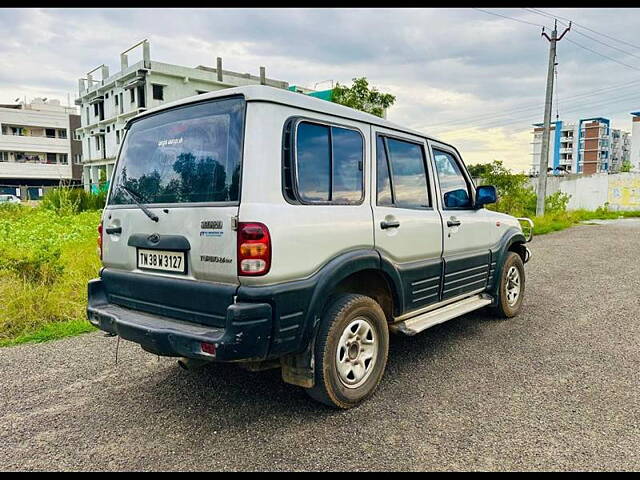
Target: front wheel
[(510, 286), (350, 351)]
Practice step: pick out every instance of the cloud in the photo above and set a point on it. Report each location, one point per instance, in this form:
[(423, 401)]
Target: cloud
[(474, 79)]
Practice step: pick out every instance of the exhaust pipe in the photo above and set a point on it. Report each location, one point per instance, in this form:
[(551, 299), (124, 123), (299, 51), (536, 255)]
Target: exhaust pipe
[(192, 363)]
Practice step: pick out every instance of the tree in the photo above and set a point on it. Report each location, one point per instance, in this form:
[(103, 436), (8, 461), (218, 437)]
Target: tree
[(362, 97), (479, 170), (626, 166)]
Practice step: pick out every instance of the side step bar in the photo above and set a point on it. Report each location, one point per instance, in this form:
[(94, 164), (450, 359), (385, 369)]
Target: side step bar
[(434, 317)]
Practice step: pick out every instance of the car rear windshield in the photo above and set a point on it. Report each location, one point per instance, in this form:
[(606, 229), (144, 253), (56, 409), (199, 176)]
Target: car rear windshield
[(183, 155)]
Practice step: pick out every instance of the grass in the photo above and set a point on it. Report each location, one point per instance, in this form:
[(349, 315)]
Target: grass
[(46, 259), (559, 221), (51, 331)]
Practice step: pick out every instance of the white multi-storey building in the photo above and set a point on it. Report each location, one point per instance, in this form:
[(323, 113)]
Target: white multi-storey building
[(587, 146), (108, 103), (37, 147), (634, 153)]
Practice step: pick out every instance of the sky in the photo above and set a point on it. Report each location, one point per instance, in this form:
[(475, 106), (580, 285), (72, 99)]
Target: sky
[(468, 77)]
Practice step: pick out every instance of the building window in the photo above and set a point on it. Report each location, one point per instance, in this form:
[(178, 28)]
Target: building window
[(63, 158), (96, 110), (4, 157), (97, 143), (88, 119), (121, 103), (115, 99), (141, 97), (51, 158), (62, 133), (50, 132), (200, 92), (118, 137), (158, 92), (108, 129), (133, 95)]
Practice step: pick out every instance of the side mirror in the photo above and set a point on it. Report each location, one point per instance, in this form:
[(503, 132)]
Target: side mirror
[(457, 199), (486, 194)]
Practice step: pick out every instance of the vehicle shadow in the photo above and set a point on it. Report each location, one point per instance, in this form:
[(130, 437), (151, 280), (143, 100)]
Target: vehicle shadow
[(225, 396)]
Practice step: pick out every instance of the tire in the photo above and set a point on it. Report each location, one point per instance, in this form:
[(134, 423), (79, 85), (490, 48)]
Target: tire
[(509, 303), (349, 324)]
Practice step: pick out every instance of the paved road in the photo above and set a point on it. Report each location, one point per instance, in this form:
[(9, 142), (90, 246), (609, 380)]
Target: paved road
[(555, 388)]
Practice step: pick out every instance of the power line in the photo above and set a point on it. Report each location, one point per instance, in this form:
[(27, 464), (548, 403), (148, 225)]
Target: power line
[(506, 113), (603, 55), (509, 18)]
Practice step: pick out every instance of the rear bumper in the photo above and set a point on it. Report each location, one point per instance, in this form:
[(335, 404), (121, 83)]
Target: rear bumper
[(246, 335)]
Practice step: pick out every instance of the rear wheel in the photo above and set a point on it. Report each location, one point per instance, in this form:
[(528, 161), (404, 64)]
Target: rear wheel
[(511, 286), (350, 351)]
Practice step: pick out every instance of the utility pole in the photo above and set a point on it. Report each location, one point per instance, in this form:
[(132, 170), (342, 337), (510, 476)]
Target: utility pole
[(544, 154)]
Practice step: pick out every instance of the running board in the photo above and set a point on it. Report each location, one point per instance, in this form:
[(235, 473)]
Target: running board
[(434, 317)]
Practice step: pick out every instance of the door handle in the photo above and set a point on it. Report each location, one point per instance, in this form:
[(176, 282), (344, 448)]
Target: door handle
[(453, 222), (113, 230), (392, 224)]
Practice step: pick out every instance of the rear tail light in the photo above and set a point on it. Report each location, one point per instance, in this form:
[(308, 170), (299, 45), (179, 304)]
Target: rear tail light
[(254, 249), (100, 239)]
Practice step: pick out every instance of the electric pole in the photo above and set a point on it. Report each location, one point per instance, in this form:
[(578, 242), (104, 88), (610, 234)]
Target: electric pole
[(544, 153)]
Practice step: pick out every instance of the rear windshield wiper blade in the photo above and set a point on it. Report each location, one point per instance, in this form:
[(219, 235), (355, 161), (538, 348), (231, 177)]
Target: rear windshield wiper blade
[(134, 196)]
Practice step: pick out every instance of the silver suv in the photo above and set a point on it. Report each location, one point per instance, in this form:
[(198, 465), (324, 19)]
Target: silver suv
[(266, 227)]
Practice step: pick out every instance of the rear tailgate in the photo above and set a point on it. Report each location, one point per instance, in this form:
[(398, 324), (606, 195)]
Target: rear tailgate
[(183, 164)]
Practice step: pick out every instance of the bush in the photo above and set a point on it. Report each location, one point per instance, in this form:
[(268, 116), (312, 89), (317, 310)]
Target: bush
[(68, 200)]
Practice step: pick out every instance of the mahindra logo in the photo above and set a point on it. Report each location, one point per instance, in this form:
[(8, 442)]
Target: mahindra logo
[(154, 238)]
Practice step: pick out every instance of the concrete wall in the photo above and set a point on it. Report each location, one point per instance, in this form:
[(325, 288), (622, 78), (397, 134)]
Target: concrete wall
[(621, 191)]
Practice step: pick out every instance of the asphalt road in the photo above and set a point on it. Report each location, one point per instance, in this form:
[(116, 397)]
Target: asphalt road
[(556, 388)]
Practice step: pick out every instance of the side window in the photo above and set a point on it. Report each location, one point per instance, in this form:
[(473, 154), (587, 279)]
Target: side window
[(313, 155), (453, 184), (328, 165), (383, 183), (408, 185)]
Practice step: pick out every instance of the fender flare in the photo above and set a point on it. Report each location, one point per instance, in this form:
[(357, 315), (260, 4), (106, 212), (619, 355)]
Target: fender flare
[(509, 238)]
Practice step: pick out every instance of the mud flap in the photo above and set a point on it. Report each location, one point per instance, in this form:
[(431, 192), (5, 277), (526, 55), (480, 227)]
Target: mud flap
[(299, 368)]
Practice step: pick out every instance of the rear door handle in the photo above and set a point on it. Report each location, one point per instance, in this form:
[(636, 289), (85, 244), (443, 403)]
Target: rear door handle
[(453, 222), (393, 224), (113, 230)]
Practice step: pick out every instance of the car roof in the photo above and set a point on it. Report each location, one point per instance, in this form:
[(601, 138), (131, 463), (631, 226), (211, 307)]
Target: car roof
[(264, 93)]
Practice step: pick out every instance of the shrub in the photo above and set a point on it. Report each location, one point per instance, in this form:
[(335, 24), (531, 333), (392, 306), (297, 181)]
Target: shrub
[(67, 200)]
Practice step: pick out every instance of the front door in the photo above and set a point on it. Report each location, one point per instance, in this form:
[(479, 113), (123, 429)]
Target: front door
[(407, 226), (467, 235)]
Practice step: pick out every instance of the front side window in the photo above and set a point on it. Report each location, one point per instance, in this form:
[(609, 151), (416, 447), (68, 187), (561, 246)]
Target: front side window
[(187, 154), (453, 184), (329, 164), (402, 179)]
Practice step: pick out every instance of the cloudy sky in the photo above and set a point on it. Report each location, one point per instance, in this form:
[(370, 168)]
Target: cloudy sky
[(466, 76)]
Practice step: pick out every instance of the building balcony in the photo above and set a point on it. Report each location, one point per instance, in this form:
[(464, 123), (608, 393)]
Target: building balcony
[(28, 170), (34, 144)]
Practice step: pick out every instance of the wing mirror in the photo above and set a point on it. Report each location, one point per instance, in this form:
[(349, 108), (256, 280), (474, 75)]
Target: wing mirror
[(486, 194)]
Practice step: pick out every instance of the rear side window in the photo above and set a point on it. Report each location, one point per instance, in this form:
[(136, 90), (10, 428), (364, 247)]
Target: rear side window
[(328, 165), (401, 174), (183, 155)]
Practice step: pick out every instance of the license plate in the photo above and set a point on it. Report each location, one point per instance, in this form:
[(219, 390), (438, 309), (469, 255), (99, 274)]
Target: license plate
[(162, 260)]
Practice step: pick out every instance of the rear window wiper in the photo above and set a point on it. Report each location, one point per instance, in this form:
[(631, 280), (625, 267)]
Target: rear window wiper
[(136, 199)]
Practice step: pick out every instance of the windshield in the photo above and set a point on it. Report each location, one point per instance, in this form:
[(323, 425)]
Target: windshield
[(189, 154)]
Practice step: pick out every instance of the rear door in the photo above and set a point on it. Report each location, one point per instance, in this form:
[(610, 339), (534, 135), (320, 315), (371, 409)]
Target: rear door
[(183, 165), (467, 231), (407, 227)]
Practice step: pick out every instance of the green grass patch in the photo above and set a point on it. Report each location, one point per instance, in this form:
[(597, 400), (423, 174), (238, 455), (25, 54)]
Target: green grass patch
[(51, 331), (46, 259), (554, 222)]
